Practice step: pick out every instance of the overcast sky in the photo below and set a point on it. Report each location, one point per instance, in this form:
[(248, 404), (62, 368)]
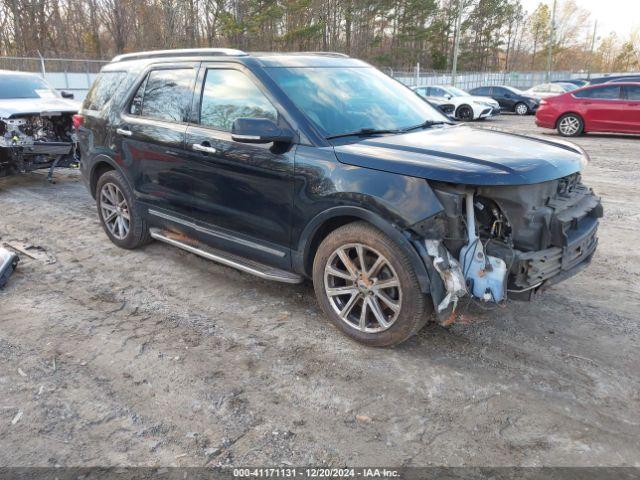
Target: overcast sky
[(621, 16)]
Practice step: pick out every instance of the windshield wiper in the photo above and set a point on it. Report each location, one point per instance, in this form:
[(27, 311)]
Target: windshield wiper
[(363, 132), (426, 124)]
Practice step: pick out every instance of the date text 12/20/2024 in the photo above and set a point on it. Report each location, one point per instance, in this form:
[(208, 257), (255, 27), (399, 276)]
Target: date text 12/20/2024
[(315, 473)]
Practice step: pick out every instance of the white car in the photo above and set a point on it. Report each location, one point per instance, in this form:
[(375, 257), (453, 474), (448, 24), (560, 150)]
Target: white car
[(546, 90), (36, 125), (467, 107)]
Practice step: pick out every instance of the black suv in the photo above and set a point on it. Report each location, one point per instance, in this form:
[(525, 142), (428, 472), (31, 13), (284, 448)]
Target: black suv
[(295, 166), (510, 99)]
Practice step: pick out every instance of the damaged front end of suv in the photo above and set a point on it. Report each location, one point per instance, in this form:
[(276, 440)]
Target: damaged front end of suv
[(512, 216), (499, 242)]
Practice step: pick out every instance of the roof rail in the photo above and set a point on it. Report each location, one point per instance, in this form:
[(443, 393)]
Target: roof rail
[(322, 54), (326, 54), (186, 52)]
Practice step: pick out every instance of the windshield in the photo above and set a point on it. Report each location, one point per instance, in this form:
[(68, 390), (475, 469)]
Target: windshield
[(456, 92), (344, 100), (567, 87), (24, 86)]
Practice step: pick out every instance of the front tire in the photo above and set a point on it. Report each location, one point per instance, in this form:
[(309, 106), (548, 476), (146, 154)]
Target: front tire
[(119, 215), (522, 109), (570, 125), (368, 287), (464, 113)]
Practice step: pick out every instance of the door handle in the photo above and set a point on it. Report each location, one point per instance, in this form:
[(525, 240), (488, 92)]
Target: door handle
[(198, 147), (123, 131)]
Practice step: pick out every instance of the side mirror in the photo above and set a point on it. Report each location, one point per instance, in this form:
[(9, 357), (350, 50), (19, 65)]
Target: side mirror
[(65, 94), (448, 96), (258, 130)]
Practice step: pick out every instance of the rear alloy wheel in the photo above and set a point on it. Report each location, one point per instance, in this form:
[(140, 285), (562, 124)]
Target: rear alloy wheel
[(464, 113), (522, 109), (367, 286), (114, 211), (119, 214), (570, 125)]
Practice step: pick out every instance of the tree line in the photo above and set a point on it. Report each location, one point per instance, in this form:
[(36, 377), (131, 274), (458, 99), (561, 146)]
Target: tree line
[(496, 34)]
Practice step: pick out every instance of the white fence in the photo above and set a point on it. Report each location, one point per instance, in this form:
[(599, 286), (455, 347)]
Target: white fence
[(469, 80)]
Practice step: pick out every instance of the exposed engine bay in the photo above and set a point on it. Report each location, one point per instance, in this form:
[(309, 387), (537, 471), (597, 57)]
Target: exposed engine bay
[(37, 141), (497, 242)]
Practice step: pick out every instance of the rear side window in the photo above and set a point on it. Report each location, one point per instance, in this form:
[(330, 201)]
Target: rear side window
[(633, 92), (610, 92), (103, 89), (164, 95), (230, 94), (482, 91)]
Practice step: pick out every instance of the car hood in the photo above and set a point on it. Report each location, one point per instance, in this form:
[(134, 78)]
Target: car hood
[(16, 107), (467, 155)]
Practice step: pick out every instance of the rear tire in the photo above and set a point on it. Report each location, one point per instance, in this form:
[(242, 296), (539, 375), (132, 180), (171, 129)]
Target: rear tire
[(119, 214), (570, 125), (368, 287), (521, 108)]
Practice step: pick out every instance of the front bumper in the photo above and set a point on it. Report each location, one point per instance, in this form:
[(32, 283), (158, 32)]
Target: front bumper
[(572, 233)]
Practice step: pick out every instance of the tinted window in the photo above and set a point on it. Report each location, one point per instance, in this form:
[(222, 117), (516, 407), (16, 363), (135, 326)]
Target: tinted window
[(24, 86), (633, 92), (481, 91), (437, 92), (610, 92), (164, 95), (230, 94), (103, 89)]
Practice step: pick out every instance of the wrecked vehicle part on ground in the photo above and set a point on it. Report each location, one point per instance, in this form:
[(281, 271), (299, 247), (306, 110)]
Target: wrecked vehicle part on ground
[(36, 126), (8, 263)]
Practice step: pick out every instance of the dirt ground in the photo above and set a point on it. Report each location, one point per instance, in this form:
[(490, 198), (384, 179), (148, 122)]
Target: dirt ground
[(157, 357)]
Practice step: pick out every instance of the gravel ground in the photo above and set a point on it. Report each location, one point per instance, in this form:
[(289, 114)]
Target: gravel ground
[(157, 357)]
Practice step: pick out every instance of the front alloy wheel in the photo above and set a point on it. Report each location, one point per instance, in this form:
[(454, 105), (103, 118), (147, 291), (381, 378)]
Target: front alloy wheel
[(465, 113), (363, 288), (367, 286)]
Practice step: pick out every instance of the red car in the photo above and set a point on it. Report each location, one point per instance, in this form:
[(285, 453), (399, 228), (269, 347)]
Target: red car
[(611, 107)]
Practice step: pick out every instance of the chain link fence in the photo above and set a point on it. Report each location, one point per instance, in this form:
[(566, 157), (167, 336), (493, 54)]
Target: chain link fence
[(469, 80), (77, 75), (69, 74)]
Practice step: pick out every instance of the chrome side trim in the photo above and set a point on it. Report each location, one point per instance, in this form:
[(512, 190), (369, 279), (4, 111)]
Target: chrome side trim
[(268, 275), (214, 233)]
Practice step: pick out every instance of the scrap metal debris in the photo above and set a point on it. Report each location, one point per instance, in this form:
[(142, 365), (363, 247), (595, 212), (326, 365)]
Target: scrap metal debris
[(8, 263), (34, 252)]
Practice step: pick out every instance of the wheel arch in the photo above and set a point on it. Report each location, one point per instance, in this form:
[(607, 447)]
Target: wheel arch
[(100, 165), (329, 220)]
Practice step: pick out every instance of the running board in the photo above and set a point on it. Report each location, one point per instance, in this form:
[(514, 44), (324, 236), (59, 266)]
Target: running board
[(228, 259)]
